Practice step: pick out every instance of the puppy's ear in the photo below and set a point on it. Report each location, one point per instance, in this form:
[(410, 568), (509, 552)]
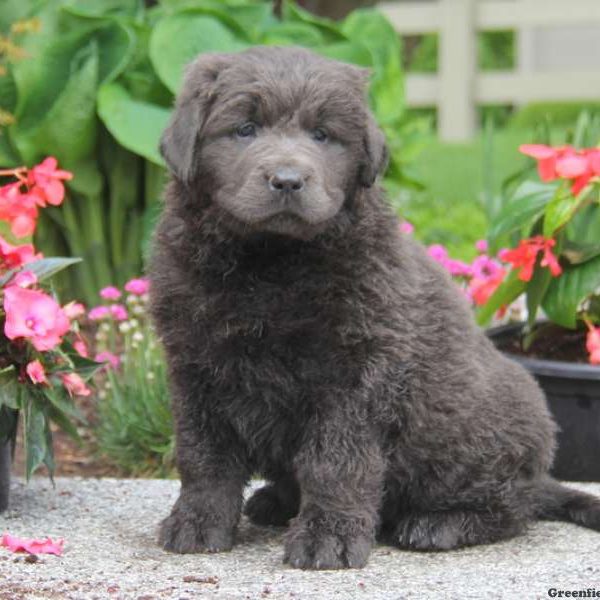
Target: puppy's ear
[(375, 153), (179, 141)]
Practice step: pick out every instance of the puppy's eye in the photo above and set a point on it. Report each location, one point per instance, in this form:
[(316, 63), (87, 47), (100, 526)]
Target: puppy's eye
[(319, 135), (246, 130)]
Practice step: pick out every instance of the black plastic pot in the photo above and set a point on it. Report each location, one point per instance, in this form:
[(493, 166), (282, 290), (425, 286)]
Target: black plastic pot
[(5, 464), (573, 393)]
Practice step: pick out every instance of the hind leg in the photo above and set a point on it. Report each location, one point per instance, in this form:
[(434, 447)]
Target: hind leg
[(275, 503), (445, 530)]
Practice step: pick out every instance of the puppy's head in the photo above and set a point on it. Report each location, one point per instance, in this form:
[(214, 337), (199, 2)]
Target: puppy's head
[(278, 139)]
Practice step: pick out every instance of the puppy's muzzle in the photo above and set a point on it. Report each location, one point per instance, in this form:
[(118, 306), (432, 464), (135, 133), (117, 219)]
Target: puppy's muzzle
[(286, 181)]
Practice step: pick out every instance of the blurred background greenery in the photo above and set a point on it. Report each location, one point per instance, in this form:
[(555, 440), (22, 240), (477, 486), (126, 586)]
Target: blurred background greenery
[(93, 83)]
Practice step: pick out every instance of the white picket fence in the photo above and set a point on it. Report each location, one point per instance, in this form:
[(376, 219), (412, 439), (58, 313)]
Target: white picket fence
[(458, 87)]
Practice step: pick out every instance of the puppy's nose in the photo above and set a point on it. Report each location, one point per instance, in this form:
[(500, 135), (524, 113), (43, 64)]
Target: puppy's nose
[(286, 180)]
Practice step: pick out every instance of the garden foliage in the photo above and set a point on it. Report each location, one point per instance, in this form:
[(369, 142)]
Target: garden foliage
[(95, 87)]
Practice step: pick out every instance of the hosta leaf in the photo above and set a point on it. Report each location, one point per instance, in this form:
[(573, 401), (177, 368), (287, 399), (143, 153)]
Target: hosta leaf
[(566, 292), (136, 125), (558, 212), (177, 39)]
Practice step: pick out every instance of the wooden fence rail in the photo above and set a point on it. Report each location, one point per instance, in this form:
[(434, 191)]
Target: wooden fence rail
[(458, 87)]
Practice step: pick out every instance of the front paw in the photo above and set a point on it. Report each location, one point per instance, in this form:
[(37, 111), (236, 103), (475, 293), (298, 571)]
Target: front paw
[(310, 546), (187, 531)]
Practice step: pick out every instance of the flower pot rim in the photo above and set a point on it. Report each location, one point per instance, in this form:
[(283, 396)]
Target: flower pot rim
[(546, 367)]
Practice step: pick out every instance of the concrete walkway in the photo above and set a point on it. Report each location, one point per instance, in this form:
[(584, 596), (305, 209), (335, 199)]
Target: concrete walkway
[(110, 552)]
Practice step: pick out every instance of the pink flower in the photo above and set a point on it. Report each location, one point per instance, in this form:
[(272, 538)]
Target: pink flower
[(24, 279), (46, 182), (75, 385), (137, 286), (12, 257), (593, 344), (481, 289), (437, 252), (110, 293), (73, 310), (81, 348), (119, 312), (108, 357), (456, 268), (481, 246), (98, 312), (406, 227), (46, 546), (36, 372), (34, 315)]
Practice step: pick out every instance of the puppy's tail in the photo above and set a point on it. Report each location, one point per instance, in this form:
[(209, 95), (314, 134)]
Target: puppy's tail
[(556, 502)]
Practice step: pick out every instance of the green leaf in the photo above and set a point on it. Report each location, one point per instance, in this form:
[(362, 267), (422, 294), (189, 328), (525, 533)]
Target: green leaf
[(288, 34), (569, 290), (536, 289), (65, 128), (135, 125), (328, 28), (349, 52), (177, 39), (371, 29), (522, 210), (508, 291), (559, 211), (34, 435), (8, 387), (47, 267), (577, 253)]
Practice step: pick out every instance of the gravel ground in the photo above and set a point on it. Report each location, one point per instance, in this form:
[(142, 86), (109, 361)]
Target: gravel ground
[(109, 529)]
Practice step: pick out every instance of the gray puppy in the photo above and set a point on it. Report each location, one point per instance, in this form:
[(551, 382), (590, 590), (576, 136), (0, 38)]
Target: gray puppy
[(310, 342)]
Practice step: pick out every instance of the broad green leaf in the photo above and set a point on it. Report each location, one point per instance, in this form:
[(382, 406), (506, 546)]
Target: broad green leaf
[(289, 34), (349, 52), (567, 291), (370, 28), (178, 39), (559, 211), (577, 253), (136, 125), (294, 14), (61, 401), (103, 8), (508, 291), (523, 209), (67, 127)]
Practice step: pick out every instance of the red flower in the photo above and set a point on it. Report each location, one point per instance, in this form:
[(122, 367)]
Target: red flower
[(525, 255), (565, 162), (46, 182), (19, 209), (13, 257)]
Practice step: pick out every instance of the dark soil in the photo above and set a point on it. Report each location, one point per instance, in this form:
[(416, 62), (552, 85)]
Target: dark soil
[(550, 342)]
